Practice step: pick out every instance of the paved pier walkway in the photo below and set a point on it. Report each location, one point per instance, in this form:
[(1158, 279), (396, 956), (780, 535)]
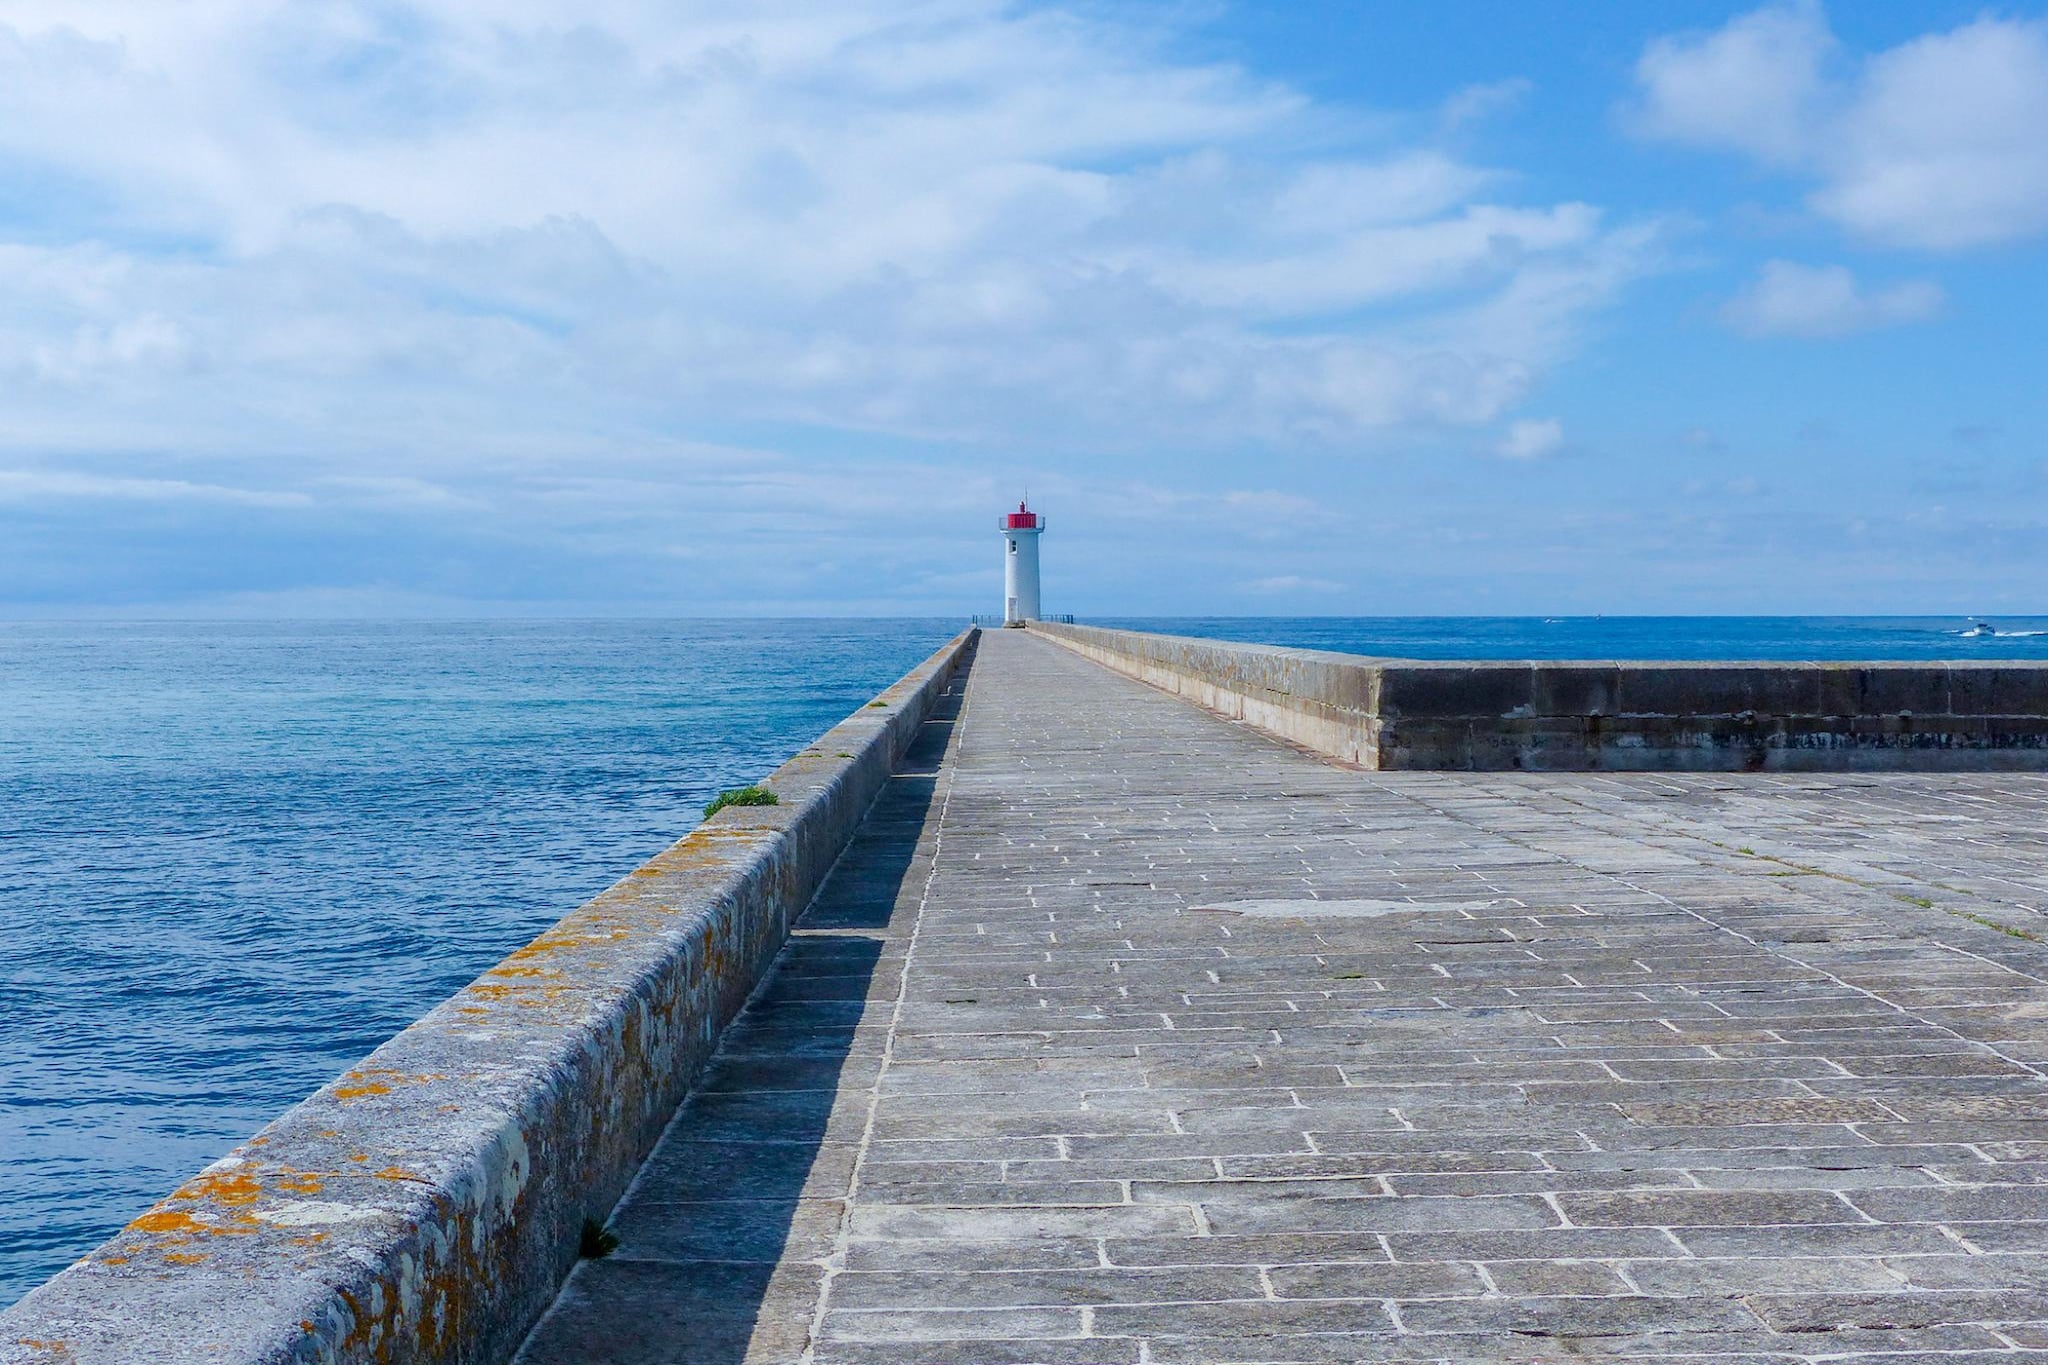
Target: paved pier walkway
[(1114, 1039)]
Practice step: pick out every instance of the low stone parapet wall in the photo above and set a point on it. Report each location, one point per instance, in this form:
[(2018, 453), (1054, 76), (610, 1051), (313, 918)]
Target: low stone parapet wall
[(426, 1206), (1322, 701), (1583, 716)]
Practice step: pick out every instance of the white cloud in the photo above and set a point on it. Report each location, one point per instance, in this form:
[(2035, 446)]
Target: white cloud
[(1477, 102), (954, 220), (1788, 299), (41, 485), (1946, 144), (396, 492), (1747, 486), (97, 350), (1479, 244), (1320, 199), (1752, 85), (1936, 143), (1531, 439)]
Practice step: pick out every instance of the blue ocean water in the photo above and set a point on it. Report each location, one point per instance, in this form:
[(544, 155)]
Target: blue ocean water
[(1625, 637), (235, 858)]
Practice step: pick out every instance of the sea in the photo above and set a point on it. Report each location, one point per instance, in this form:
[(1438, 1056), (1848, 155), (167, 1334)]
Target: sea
[(236, 857), (1625, 637)]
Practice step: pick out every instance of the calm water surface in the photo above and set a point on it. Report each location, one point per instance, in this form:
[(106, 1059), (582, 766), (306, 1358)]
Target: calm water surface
[(235, 858)]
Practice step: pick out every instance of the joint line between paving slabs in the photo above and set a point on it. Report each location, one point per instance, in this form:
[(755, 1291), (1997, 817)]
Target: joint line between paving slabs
[(1847, 985), (1767, 950), (834, 1263)]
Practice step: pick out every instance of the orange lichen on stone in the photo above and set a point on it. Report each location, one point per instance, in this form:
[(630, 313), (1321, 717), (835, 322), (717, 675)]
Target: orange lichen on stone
[(179, 1225), (397, 1173), (578, 931), (225, 1187), (540, 947), (184, 1257), (378, 1081), (169, 1220), (366, 1073), (523, 995), (115, 1260)]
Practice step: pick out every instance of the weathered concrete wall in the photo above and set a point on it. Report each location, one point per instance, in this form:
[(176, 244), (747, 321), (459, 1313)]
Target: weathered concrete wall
[(427, 1205), (1325, 702), (1572, 716), (1716, 716)]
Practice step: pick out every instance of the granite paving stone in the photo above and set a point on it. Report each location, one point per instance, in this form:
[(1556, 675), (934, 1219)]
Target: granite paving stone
[(1125, 1034)]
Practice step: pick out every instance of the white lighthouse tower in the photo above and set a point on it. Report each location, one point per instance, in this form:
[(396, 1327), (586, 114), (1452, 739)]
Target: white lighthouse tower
[(1021, 530)]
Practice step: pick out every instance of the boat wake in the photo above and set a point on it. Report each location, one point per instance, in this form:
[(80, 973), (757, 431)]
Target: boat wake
[(1980, 630)]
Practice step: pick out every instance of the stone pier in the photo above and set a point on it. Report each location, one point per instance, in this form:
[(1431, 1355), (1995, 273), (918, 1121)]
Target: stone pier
[(1124, 1033)]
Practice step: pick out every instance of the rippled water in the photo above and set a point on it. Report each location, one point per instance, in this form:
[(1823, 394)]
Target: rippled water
[(1625, 637), (235, 858)]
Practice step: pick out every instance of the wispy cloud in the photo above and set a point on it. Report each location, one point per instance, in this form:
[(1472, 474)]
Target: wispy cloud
[(1476, 102), (1789, 299), (1531, 439), (1281, 584), (31, 485)]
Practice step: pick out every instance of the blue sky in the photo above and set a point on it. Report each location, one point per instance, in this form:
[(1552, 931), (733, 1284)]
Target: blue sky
[(457, 308)]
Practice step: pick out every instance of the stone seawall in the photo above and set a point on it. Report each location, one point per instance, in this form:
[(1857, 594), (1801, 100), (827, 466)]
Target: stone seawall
[(1321, 701), (426, 1206), (1586, 716)]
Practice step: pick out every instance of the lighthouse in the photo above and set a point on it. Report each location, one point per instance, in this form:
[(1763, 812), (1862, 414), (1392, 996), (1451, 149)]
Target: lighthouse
[(1021, 530)]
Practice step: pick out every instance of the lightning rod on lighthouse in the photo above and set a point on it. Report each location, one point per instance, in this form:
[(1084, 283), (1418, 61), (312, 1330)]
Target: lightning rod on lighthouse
[(1021, 530)]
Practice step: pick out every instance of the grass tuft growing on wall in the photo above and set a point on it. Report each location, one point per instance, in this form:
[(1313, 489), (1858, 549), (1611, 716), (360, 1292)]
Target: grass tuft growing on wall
[(741, 796)]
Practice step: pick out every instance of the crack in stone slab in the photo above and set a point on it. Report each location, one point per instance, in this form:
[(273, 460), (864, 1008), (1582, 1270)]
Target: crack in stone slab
[(1352, 909)]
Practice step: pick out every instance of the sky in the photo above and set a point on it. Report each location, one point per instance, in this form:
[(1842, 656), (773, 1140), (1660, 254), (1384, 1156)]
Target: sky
[(635, 307)]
